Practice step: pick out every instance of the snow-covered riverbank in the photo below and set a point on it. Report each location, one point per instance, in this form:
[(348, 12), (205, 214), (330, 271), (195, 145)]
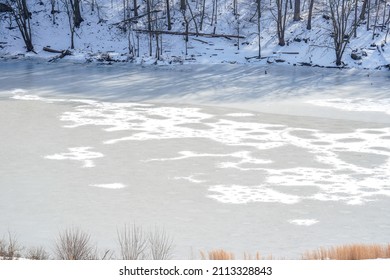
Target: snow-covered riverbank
[(101, 38)]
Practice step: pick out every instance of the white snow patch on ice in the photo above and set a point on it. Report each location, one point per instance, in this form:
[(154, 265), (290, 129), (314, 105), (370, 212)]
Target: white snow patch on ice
[(21, 94), (113, 186), (79, 154), (240, 115), (189, 179), (19, 91), (243, 194), (354, 104), (29, 97), (303, 222), (243, 155)]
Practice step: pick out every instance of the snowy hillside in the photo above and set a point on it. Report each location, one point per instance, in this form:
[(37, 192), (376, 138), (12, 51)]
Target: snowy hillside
[(228, 33)]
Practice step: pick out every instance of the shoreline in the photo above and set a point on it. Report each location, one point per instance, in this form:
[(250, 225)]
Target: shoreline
[(82, 58)]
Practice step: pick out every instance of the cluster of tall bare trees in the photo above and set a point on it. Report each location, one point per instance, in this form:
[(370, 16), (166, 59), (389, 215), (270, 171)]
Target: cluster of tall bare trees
[(190, 17), (22, 15)]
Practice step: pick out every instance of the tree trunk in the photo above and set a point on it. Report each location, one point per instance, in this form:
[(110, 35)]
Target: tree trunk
[(149, 27), (297, 10), (22, 17), (136, 8), (309, 17), (76, 13), (26, 12), (363, 12), (169, 15), (202, 15), (368, 14), (70, 13), (356, 19), (235, 7), (192, 17), (72, 39), (343, 26), (53, 11), (376, 20), (338, 59), (258, 25), (183, 5), (281, 20)]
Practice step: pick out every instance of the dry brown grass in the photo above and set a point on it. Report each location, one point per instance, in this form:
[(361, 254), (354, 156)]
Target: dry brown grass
[(219, 254), (257, 256), (350, 252)]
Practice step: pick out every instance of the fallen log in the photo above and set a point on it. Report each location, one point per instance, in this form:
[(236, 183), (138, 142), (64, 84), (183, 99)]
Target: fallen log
[(204, 42), (62, 53), (47, 49), (286, 52), (189, 33), (255, 57)]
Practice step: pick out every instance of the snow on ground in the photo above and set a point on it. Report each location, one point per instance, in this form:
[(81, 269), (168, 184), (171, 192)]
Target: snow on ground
[(99, 38)]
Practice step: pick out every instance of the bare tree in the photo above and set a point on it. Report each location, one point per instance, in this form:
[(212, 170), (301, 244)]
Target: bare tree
[(53, 10), (132, 242), (37, 253), (281, 18), (258, 2), (192, 17), (10, 248), (70, 14), (169, 21), (343, 25), (72, 8), (214, 15), (22, 16), (368, 9), (363, 10), (310, 15), (135, 8), (125, 9), (183, 5), (77, 19), (161, 244), (297, 10), (73, 244), (149, 15), (187, 26), (202, 14)]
